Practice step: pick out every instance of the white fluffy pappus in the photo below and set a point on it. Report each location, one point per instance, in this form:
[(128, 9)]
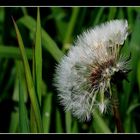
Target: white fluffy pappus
[(83, 77)]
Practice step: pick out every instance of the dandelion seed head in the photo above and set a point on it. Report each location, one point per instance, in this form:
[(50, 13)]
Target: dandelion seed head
[(83, 77)]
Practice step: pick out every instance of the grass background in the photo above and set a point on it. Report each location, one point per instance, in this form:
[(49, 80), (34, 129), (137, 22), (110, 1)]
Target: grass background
[(30, 47)]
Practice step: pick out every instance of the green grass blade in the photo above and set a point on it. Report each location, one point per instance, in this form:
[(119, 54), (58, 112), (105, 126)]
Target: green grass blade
[(14, 117), (98, 17), (47, 107), (130, 16), (120, 13), (129, 124), (138, 74), (68, 122), (74, 127), (37, 71), (58, 14), (59, 128), (33, 124), (71, 25), (112, 12), (48, 43), (38, 58), (5, 92), (3, 67), (132, 107), (133, 48), (23, 119), (99, 125), (13, 52), (24, 10), (29, 80), (14, 120)]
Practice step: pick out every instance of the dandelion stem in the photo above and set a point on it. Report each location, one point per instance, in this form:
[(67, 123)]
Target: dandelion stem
[(116, 111), (118, 120)]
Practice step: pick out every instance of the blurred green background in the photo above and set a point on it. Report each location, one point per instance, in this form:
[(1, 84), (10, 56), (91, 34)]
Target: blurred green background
[(28, 101)]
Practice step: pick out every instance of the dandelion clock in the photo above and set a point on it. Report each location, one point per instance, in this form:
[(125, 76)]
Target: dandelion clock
[(86, 76)]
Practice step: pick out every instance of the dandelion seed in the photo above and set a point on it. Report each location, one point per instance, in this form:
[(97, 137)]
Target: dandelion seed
[(83, 77)]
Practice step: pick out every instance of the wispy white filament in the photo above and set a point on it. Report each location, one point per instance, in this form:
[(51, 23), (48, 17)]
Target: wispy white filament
[(83, 76)]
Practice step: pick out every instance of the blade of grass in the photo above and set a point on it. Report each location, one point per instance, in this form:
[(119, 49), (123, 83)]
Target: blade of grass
[(68, 122), (71, 25), (112, 12), (15, 97), (138, 74), (23, 119), (81, 19), (99, 125), (37, 71), (132, 107), (59, 128), (58, 15), (9, 83), (13, 127), (38, 58), (74, 127), (33, 124), (129, 123), (29, 80), (14, 119), (24, 10), (120, 13), (47, 112), (98, 17), (48, 43), (130, 16), (134, 49), (3, 67), (13, 52)]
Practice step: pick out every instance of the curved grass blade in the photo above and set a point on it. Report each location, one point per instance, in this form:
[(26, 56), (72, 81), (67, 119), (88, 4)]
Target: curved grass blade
[(13, 52), (29, 80), (48, 43), (23, 119), (99, 125), (132, 107)]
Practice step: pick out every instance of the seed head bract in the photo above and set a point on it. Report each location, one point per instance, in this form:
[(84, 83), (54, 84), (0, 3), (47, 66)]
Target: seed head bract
[(83, 77)]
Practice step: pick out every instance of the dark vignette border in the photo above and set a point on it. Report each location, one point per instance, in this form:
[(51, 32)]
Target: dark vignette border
[(69, 3), (69, 136)]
